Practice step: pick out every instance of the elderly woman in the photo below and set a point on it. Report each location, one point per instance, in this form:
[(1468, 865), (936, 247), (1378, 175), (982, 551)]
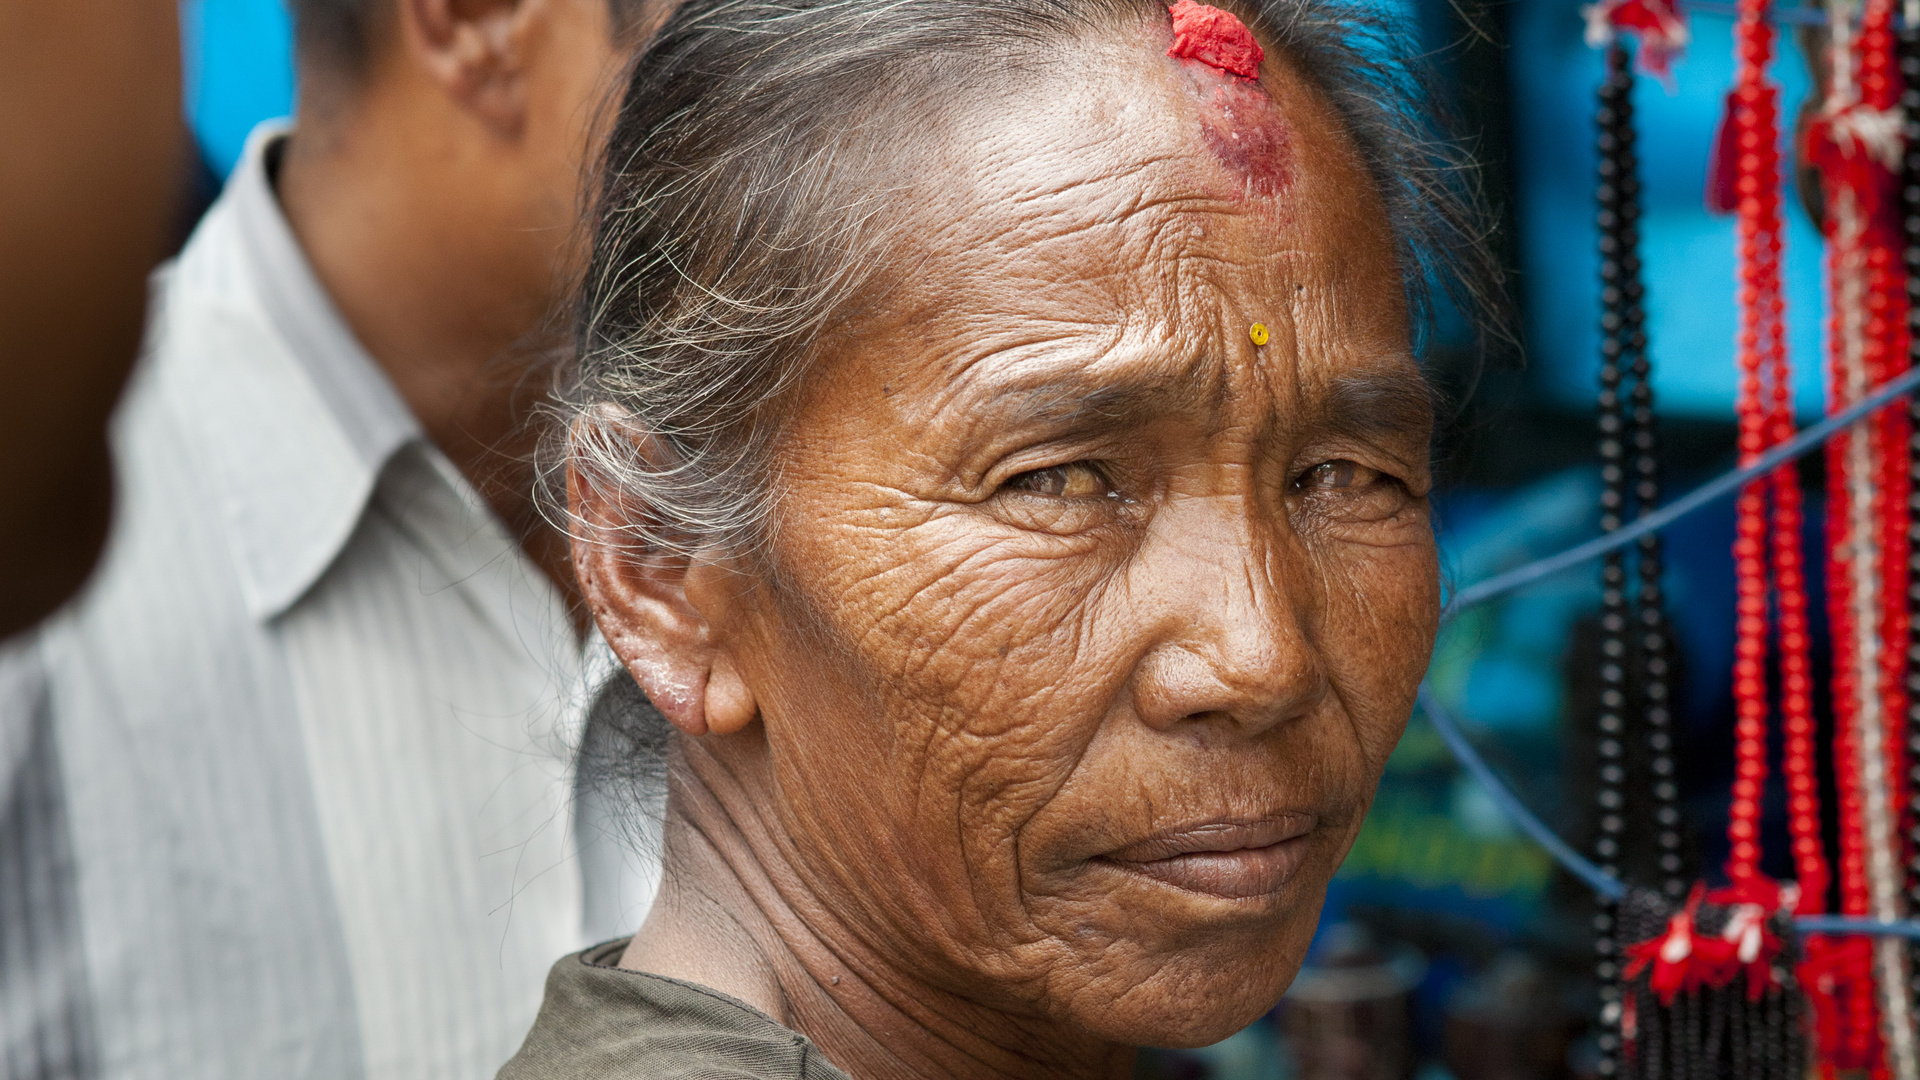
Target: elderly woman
[(998, 452)]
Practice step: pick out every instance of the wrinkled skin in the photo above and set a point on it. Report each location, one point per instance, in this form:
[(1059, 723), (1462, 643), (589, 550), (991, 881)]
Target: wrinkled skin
[(1070, 581)]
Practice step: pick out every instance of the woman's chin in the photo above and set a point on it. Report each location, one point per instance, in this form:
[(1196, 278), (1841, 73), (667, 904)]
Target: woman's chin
[(1187, 1003)]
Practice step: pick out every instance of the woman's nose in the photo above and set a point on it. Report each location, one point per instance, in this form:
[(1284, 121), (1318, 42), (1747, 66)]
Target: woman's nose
[(1236, 634)]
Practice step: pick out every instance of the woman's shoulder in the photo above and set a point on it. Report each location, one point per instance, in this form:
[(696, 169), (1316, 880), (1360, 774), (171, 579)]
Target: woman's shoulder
[(604, 1022)]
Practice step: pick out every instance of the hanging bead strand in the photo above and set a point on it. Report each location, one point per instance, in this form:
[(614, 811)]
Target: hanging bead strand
[(1616, 189), (1754, 37), (1884, 354), (1623, 295), (1870, 977), (1909, 53), (1650, 603), (1763, 309)]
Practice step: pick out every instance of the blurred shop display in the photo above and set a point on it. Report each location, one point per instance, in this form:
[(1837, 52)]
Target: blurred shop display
[(1349, 1013), (1512, 1022)]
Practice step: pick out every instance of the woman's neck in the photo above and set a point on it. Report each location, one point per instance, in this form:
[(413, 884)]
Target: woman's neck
[(733, 915)]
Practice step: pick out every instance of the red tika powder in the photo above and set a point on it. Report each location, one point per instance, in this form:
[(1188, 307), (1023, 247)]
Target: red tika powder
[(1214, 38)]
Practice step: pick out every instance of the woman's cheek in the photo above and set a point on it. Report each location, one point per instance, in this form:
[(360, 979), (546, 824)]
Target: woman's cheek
[(1383, 611), (998, 682), (1383, 589), (987, 664), (982, 620)]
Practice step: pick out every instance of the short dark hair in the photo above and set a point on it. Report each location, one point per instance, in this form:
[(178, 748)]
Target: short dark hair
[(338, 36)]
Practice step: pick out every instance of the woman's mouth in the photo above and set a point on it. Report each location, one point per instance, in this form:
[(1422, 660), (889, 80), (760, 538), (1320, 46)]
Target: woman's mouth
[(1235, 860)]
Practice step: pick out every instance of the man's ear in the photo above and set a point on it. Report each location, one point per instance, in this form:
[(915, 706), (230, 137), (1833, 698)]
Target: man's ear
[(475, 49), (659, 612)]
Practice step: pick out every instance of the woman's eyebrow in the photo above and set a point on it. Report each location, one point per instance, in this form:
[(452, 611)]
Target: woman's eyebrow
[(1380, 402), (1112, 401), (1383, 402), (1375, 401)]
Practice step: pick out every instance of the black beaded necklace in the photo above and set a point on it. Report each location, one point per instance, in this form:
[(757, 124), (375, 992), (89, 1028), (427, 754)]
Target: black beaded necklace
[(1634, 670), (1618, 273)]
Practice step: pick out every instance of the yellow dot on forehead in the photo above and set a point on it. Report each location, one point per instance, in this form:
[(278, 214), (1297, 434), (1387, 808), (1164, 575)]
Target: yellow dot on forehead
[(1258, 332)]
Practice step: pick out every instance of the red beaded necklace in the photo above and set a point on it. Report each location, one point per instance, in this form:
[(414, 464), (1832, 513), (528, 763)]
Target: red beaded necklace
[(1769, 564), (1858, 987), (1767, 554), (1671, 973), (1863, 999)]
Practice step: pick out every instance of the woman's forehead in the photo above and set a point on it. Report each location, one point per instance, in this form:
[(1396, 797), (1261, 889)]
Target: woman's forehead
[(1163, 285), (1090, 222), (1120, 128), (1106, 184)]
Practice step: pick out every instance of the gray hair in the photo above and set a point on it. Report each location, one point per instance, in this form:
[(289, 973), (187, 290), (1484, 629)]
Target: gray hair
[(741, 210)]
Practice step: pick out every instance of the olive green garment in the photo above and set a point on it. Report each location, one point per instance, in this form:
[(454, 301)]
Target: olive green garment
[(601, 1022)]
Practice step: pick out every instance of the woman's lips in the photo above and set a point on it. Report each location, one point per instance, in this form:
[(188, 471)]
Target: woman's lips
[(1236, 860)]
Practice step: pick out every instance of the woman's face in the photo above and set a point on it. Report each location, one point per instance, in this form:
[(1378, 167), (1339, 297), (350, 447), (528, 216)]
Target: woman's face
[(1096, 621)]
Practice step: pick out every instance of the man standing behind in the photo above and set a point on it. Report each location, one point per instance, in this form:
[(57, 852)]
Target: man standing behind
[(293, 797)]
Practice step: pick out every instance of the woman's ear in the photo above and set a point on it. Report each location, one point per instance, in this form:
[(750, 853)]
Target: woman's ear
[(659, 612)]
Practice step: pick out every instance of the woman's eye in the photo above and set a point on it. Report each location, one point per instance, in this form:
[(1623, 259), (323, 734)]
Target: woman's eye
[(1078, 480), (1351, 493), (1335, 476)]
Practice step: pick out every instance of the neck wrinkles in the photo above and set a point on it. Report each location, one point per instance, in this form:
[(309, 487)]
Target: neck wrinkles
[(734, 914)]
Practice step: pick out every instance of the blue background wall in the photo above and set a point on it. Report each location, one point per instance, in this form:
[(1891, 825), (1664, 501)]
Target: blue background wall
[(1688, 253), (239, 71)]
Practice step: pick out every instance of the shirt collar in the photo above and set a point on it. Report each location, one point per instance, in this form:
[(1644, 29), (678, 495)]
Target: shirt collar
[(309, 420)]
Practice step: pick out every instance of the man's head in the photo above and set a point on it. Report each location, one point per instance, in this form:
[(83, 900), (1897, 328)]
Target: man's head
[(434, 180), (337, 40), (431, 132)]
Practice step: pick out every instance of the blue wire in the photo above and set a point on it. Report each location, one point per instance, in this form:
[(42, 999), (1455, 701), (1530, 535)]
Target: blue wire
[(1847, 924), (1724, 485), (1597, 879)]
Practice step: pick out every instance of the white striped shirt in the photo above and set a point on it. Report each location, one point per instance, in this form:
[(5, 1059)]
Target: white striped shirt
[(287, 789)]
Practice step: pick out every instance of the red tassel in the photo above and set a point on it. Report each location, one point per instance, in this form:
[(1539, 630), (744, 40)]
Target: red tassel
[(1656, 24)]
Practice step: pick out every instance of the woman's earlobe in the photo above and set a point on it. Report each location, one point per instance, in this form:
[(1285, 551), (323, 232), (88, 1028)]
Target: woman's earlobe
[(730, 704)]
